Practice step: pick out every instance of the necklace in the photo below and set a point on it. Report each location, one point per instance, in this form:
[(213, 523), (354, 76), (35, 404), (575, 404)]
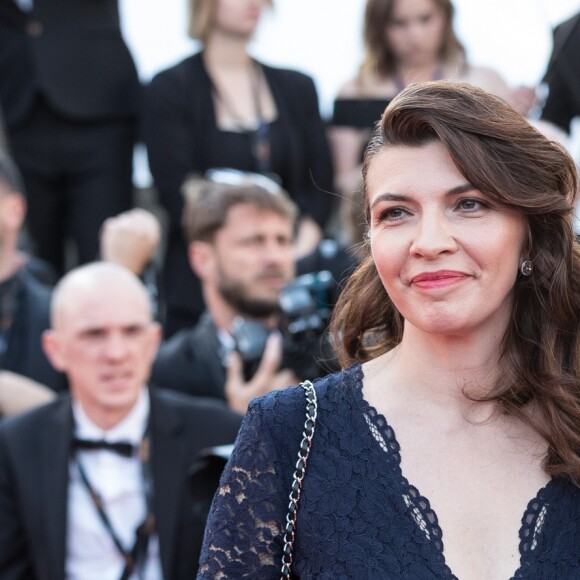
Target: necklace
[(240, 123), (260, 132)]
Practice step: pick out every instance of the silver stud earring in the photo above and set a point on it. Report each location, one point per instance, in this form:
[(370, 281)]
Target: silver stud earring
[(527, 267)]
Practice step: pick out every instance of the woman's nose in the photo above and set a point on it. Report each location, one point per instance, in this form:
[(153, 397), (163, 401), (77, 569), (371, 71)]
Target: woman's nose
[(433, 236)]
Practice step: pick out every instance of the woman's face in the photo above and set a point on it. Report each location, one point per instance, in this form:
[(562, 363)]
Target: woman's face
[(415, 31), (447, 256), (238, 18)]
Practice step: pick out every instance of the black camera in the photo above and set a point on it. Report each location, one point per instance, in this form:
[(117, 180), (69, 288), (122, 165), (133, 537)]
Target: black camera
[(304, 314)]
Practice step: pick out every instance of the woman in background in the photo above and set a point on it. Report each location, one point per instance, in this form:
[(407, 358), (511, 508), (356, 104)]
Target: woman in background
[(221, 108), (450, 446), (406, 41)]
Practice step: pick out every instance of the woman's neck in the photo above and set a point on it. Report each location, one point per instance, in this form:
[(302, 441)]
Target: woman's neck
[(417, 73), (223, 52), (439, 371)]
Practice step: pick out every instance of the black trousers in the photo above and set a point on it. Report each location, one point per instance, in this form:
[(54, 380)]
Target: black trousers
[(77, 173)]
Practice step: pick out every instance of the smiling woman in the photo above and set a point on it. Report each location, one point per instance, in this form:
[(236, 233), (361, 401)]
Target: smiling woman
[(450, 447), (447, 255)]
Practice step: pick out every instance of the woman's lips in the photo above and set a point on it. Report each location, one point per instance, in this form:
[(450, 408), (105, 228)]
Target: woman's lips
[(438, 279)]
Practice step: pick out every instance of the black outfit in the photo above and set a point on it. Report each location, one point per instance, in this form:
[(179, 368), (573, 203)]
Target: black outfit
[(26, 303), (563, 75), (359, 517), (192, 361), (34, 472), (358, 113), (69, 92), (183, 139)]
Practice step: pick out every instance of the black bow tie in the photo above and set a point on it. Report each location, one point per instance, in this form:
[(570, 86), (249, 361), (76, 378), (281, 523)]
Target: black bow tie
[(121, 447)]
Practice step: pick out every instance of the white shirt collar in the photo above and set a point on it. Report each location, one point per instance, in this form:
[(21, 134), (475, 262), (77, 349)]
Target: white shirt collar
[(130, 428)]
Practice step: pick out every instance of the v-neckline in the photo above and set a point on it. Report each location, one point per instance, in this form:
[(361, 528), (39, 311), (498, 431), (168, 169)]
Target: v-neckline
[(531, 517)]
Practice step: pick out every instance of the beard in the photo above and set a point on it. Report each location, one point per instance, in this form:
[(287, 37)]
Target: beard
[(237, 294)]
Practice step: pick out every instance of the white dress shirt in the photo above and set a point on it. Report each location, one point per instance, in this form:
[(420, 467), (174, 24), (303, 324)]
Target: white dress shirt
[(91, 552)]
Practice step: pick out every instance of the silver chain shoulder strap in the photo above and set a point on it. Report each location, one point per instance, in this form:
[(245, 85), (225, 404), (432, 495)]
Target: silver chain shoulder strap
[(299, 473)]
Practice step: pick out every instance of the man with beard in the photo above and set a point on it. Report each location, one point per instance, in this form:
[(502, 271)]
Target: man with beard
[(240, 245)]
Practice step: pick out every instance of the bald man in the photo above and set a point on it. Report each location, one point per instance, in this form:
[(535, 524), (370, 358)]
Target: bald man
[(95, 485)]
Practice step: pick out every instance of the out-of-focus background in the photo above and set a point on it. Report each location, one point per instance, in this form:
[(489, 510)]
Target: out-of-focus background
[(512, 36)]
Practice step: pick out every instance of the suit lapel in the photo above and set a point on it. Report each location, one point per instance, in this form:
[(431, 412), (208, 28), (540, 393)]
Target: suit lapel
[(53, 484), (167, 450), (207, 346)]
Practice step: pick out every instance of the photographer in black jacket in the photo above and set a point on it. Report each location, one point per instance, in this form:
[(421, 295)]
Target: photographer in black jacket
[(240, 237)]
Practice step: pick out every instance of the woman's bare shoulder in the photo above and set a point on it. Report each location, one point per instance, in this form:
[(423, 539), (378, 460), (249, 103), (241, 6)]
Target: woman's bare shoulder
[(486, 78), (351, 89)]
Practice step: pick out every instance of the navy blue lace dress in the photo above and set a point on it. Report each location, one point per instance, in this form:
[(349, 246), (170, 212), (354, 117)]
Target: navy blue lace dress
[(358, 516)]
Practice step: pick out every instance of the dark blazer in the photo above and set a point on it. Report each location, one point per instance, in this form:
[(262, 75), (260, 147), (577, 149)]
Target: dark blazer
[(34, 473), (73, 52), (182, 135), (183, 138), (563, 75), (24, 354), (190, 361)]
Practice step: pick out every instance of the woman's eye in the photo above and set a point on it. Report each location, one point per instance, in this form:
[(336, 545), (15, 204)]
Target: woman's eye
[(392, 214), (471, 205), (398, 23)]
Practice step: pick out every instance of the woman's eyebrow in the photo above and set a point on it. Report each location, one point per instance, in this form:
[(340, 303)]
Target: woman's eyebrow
[(457, 190)]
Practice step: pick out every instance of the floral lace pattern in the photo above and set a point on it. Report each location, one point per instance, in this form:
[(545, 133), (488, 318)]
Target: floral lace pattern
[(358, 516)]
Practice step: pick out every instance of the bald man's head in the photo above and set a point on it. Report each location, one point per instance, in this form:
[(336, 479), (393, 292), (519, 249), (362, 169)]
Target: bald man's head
[(94, 281), (103, 338)]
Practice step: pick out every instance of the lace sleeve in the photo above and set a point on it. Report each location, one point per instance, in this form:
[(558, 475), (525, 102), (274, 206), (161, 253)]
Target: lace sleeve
[(243, 537)]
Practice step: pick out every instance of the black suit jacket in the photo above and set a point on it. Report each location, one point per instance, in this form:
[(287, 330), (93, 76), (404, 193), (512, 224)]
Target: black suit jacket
[(73, 53), (24, 354), (34, 472), (191, 361), (563, 75)]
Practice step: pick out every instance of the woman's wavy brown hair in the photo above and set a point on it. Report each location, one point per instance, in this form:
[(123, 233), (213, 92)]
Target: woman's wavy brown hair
[(507, 159), (379, 59)]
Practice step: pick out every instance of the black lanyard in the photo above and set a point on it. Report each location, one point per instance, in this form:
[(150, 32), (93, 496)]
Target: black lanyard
[(134, 558)]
